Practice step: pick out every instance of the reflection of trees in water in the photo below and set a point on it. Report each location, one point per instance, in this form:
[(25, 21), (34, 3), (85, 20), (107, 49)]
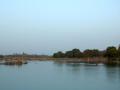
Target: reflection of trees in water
[(112, 73), (73, 68), (68, 66), (59, 64), (74, 65)]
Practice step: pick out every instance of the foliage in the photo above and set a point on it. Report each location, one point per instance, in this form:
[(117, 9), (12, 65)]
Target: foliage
[(119, 51), (111, 52), (1, 56), (59, 55), (91, 53), (75, 53)]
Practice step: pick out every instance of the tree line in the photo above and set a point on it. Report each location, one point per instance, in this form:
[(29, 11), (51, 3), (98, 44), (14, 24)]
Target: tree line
[(110, 52)]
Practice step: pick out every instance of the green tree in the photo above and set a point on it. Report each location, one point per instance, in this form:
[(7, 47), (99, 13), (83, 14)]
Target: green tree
[(91, 53), (119, 51), (75, 53), (111, 52), (69, 54), (1, 56), (59, 55)]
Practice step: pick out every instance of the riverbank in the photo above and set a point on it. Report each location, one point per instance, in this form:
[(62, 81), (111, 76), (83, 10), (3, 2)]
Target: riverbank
[(19, 60), (13, 62), (85, 61)]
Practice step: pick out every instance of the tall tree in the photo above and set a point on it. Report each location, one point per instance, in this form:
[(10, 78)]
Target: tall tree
[(91, 53), (69, 54), (119, 51), (59, 55), (111, 52), (1, 56), (75, 53)]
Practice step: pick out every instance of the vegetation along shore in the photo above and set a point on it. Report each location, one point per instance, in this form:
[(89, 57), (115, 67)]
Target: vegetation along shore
[(110, 56)]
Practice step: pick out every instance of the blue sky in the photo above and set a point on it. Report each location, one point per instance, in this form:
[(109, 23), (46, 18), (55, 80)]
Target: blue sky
[(47, 26)]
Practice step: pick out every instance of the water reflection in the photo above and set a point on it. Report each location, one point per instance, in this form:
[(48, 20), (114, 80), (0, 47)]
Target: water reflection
[(73, 67), (76, 67), (65, 76), (112, 73), (58, 64)]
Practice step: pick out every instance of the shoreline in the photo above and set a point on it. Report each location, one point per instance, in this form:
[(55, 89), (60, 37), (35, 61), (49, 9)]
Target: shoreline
[(93, 60)]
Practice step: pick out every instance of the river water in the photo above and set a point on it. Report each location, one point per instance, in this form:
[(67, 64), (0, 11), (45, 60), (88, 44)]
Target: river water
[(48, 75)]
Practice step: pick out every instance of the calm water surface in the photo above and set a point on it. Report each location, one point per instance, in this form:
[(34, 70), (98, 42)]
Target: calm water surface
[(54, 76)]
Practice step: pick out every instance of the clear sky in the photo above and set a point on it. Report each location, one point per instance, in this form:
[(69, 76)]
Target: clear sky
[(47, 26)]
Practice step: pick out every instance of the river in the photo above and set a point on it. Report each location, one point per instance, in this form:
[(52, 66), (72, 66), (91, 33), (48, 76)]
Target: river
[(48, 75)]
